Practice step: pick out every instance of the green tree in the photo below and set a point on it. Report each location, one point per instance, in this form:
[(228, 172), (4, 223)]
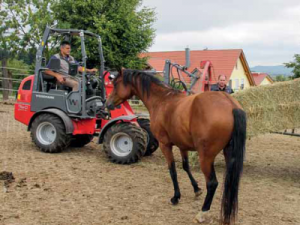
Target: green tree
[(22, 23), (280, 78), (19, 72), (124, 26), (295, 65)]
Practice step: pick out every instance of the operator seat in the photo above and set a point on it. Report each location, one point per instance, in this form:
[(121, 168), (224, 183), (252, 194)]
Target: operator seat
[(51, 82)]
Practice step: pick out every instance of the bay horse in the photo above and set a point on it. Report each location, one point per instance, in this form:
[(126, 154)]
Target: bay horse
[(207, 123)]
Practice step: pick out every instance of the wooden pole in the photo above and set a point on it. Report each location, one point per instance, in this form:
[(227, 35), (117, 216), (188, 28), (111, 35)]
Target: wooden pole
[(10, 83), (5, 83)]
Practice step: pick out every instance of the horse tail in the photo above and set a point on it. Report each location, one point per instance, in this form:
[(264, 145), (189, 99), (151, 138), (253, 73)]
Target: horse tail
[(234, 154)]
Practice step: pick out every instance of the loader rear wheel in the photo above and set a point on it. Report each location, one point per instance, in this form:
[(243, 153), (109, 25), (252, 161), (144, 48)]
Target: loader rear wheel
[(124, 143), (49, 134), (152, 143)]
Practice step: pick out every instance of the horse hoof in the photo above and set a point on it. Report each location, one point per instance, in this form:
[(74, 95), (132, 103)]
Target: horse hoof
[(198, 193), (201, 217), (174, 201)]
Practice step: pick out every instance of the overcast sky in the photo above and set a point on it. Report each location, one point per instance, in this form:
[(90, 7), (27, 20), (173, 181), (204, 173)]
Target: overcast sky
[(267, 30)]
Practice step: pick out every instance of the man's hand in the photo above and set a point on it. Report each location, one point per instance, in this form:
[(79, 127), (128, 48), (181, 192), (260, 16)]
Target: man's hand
[(60, 79), (94, 70)]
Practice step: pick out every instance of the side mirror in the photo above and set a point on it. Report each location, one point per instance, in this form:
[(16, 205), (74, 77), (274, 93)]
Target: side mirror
[(54, 64)]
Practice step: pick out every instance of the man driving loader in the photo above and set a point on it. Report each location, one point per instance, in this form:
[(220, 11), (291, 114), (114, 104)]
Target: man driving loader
[(62, 76)]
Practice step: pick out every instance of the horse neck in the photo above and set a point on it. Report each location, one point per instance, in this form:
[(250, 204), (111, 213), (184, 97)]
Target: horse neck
[(157, 95)]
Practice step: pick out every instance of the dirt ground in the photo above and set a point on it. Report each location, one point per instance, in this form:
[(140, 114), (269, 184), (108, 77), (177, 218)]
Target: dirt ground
[(80, 186)]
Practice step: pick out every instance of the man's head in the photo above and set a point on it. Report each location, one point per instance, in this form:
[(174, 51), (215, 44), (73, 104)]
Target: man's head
[(65, 48), (222, 80)]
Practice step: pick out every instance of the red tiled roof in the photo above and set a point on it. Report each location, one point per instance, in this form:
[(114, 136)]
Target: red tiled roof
[(223, 61), (259, 77)]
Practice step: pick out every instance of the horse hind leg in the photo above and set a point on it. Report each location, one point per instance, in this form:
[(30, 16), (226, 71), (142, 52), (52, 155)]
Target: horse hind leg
[(207, 167), (167, 151), (186, 168)]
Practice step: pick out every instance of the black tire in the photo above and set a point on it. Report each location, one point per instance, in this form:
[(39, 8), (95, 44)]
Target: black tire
[(152, 143), (49, 134), (124, 143), (81, 140)]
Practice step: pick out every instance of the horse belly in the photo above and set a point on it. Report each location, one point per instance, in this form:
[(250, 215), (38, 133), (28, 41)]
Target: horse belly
[(181, 138), (179, 127)]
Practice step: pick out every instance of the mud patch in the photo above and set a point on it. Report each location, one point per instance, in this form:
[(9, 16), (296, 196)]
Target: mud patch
[(7, 178)]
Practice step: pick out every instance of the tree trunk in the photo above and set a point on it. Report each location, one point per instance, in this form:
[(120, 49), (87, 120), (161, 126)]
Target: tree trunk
[(5, 83)]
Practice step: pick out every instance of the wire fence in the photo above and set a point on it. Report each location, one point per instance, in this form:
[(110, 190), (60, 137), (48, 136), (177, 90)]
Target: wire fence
[(17, 69), (1, 74), (10, 79), (6, 89), (7, 78)]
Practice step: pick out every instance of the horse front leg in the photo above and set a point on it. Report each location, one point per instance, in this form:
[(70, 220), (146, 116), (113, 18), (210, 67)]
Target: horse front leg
[(186, 168), (168, 153)]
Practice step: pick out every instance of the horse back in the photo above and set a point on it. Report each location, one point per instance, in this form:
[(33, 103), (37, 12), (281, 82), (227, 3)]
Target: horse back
[(212, 119)]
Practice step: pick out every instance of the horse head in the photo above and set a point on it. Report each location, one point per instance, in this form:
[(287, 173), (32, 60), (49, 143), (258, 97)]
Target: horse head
[(121, 92)]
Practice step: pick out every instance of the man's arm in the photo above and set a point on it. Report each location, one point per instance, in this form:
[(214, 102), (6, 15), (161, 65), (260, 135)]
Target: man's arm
[(94, 70), (214, 87), (229, 90)]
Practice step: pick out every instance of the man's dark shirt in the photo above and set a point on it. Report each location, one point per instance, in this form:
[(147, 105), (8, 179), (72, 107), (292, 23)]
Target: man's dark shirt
[(215, 87)]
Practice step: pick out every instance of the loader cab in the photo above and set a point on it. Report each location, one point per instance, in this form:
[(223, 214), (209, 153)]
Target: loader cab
[(47, 93), (50, 94)]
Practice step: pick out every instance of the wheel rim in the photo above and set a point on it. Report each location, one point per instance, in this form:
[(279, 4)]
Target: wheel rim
[(46, 133), (121, 144)]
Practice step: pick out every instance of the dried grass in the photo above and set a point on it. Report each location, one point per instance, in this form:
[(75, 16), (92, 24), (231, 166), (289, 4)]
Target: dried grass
[(271, 108)]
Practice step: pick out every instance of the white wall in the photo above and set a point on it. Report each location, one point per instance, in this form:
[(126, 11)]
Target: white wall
[(238, 77)]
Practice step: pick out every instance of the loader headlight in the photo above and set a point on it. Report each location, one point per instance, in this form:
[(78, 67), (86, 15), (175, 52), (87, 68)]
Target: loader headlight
[(111, 76)]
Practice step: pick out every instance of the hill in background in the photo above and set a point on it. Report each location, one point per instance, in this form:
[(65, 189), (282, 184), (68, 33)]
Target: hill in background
[(273, 70)]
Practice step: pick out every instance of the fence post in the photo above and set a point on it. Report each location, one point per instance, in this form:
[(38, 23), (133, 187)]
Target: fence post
[(5, 83), (10, 82)]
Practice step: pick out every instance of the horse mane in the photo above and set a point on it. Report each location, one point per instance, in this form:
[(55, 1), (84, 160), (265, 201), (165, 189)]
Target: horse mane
[(146, 79)]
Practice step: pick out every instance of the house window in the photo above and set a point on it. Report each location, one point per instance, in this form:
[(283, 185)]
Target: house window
[(237, 85), (242, 83), (230, 83), (236, 65)]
